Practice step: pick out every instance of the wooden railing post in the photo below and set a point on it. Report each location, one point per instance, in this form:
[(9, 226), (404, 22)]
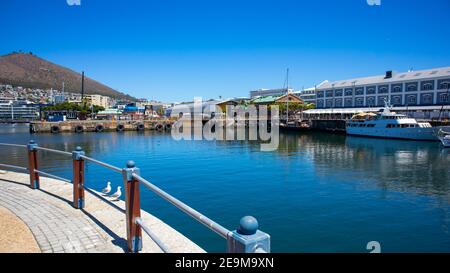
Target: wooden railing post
[(78, 178), (33, 164), (133, 207)]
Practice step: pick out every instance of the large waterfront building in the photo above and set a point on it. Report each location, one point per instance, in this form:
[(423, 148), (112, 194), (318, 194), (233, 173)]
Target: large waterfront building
[(413, 88)]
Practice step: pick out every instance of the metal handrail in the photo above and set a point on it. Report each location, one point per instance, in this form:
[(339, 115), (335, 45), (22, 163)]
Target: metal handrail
[(53, 176), (185, 208), (13, 145), (14, 167), (248, 224), (53, 151), (106, 165), (155, 238)]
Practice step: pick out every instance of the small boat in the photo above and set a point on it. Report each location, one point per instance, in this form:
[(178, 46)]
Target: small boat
[(444, 137)]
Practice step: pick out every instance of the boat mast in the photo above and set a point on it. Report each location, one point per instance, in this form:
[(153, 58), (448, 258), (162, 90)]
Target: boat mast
[(287, 96)]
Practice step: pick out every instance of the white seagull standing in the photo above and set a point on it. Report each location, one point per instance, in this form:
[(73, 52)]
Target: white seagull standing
[(107, 189), (117, 194)]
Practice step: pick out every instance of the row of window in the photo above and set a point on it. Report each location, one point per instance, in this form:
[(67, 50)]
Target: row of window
[(396, 100), (383, 89), (371, 125), (401, 125)]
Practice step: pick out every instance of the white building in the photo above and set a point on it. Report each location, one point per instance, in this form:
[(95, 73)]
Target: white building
[(269, 92), (413, 88)]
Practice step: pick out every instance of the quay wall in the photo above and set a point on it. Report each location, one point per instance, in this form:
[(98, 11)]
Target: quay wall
[(81, 126), (335, 126)]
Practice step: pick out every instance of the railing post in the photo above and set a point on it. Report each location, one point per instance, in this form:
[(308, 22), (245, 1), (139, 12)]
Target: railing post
[(133, 207), (78, 178), (33, 164), (247, 238)]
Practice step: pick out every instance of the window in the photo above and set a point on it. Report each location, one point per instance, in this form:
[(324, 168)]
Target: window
[(370, 101), (411, 87), (370, 90), (319, 103), (348, 102), (397, 88), (348, 92), (359, 91), (411, 100), (427, 85), (338, 92), (427, 98), (396, 100), (443, 98), (444, 84), (329, 93), (359, 102), (320, 94), (381, 100), (383, 89)]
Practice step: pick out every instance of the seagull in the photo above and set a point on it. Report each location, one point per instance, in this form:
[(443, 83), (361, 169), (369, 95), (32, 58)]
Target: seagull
[(107, 189), (117, 194)]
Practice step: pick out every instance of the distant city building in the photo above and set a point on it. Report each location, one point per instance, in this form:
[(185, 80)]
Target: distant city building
[(59, 98), (99, 100), (18, 110), (307, 95), (269, 92)]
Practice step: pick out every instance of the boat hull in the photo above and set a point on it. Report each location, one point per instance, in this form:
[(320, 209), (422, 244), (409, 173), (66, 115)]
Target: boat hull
[(445, 142), (425, 134)]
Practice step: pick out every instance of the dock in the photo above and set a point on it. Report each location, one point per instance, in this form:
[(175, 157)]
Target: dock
[(59, 228), (83, 126), (62, 213)]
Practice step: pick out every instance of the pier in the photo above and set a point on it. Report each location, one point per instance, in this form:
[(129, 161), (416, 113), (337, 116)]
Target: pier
[(66, 216), (82, 126)]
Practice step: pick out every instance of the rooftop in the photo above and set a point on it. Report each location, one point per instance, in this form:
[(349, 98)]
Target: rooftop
[(396, 77)]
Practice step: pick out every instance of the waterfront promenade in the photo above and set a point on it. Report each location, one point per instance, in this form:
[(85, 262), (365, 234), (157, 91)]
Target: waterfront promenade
[(59, 228)]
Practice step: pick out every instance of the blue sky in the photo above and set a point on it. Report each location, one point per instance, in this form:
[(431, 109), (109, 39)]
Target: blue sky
[(173, 50)]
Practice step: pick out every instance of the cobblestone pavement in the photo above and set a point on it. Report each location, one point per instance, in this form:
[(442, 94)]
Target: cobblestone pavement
[(58, 227)]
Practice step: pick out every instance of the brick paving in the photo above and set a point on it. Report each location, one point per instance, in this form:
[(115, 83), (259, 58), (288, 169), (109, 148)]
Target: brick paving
[(59, 228)]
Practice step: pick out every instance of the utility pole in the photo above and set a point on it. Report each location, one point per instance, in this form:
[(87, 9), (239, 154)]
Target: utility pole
[(82, 85)]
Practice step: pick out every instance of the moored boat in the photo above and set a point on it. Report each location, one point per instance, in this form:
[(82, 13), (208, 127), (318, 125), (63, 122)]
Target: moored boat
[(387, 124), (444, 137)]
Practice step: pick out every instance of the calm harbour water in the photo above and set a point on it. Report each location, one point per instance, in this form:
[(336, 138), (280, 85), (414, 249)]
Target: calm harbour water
[(317, 193)]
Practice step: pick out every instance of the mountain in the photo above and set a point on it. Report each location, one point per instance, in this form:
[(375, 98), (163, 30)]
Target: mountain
[(28, 70)]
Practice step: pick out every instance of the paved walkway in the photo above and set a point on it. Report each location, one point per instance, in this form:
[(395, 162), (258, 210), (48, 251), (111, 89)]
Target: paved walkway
[(18, 239), (58, 227)]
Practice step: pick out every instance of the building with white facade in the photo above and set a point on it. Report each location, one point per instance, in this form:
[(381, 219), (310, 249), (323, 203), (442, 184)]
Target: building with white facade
[(268, 92), (99, 100), (413, 88)]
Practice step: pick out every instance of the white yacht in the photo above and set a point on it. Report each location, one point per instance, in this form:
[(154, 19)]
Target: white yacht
[(387, 124)]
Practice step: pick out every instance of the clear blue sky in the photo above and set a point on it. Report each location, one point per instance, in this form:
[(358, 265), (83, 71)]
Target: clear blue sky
[(173, 50)]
